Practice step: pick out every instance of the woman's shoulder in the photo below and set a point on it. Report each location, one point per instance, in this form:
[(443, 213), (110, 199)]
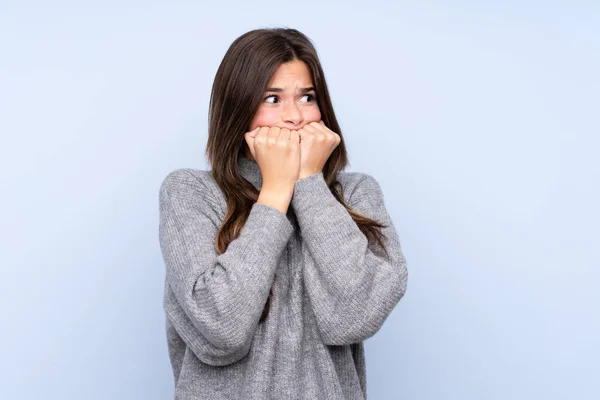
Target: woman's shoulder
[(357, 183), (189, 182), (353, 177)]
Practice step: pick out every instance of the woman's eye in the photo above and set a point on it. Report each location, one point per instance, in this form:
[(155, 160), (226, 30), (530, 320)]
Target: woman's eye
[(310, 96)]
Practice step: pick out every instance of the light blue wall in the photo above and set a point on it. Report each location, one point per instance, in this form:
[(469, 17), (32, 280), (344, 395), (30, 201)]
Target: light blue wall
[(480, 121)]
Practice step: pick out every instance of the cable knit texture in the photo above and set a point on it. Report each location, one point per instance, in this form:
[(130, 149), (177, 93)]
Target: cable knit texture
[(331, 289)]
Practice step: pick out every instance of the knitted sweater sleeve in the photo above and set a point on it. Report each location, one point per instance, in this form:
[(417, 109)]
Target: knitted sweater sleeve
[(352, 285), (214, 301)]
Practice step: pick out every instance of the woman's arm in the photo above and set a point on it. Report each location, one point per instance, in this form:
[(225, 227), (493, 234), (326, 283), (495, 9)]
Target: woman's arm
[(352, 286), (215, 300)]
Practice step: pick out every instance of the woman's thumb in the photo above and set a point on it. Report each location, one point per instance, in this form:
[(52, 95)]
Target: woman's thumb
[(249, 136)]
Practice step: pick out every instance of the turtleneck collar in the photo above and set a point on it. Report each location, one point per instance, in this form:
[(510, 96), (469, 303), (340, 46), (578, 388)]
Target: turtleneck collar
[(250, 170)]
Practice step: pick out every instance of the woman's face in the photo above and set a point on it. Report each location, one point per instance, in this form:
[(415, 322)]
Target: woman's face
[(290, 100)]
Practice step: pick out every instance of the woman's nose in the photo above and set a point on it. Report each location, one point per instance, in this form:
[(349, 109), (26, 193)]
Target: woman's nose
[(292, 114)]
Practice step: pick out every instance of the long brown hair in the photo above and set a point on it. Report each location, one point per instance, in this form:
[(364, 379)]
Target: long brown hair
[(237, 92)]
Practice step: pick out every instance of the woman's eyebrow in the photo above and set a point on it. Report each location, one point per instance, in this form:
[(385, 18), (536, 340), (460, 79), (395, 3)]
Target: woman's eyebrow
[(279, 90)]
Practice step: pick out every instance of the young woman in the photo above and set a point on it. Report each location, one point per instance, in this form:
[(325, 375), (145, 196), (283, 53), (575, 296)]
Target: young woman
[(278, 264)]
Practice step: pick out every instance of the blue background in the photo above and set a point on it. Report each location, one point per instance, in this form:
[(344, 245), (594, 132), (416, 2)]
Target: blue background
[(480, 120)]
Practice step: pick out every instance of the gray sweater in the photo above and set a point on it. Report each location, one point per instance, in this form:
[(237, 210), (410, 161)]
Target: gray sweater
[(331, 290)]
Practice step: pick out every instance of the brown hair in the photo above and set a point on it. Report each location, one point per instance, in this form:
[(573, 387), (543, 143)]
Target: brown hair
[(237, 92)]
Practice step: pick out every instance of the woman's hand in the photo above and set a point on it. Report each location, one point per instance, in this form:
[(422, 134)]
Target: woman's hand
[(317, 142), (277, 152)]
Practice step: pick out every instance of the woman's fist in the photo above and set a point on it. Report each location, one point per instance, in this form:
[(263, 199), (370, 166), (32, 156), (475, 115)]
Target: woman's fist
[(317, 142), (277, 152)]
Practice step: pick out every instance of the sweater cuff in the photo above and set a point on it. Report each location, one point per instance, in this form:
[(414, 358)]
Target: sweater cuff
[(271, 225), (309, 190)]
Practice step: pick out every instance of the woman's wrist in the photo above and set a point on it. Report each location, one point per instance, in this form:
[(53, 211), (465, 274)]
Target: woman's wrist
[(278, 198)]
